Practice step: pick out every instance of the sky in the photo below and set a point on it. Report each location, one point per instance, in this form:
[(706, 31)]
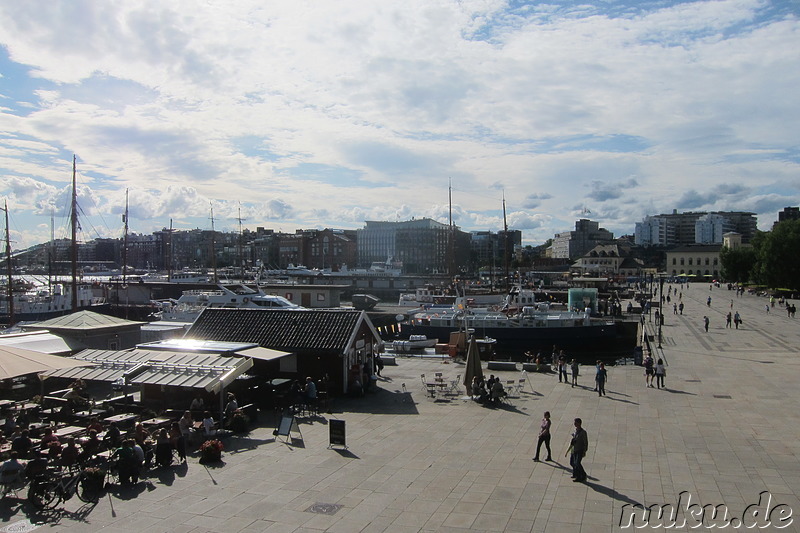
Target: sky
[(320, 114)]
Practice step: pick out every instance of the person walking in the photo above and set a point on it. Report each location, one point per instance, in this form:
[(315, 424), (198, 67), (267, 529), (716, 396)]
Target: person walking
[(708, 302), (680, 307), (737, 319), (705, 322), (544, 437), (648, 371), (661, 371), (577, 449), (575, 368), (601, 377), (728, 319)]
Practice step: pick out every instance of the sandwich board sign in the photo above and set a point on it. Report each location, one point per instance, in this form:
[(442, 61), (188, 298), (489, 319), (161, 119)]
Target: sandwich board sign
[(337, 433), (287, 425)]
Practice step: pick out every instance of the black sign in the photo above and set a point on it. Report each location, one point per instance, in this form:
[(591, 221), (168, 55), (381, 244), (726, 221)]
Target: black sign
[(337, 432), (286, 426)]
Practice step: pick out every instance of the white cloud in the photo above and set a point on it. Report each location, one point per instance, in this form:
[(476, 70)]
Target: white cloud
[(363, 111)]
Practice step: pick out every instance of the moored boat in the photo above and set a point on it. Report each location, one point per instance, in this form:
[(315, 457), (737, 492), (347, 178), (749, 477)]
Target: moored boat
[(414, 343), (518, 324)]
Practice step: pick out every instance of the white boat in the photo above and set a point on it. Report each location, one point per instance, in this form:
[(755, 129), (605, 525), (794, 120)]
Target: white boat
[(414, 343), (428, 295), (191, 303), (43, 303)]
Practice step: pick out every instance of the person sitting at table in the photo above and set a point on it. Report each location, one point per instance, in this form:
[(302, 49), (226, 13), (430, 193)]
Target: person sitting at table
[(10, 424), (128, 463), (94, 424), (48, 437), (163, 448), (12, 471), (113, 436), (91, 447), (22, 444), (140, 434), (186, 425), (209, 426), (497, 391), (490, 382), (177, 440), (23, 420), (70, 453), (50, 443)]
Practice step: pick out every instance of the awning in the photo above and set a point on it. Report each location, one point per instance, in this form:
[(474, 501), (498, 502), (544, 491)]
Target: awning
[(262, 354), (177, 369), (42, 342), (16, 362)]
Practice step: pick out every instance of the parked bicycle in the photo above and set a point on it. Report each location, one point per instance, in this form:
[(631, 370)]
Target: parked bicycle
[(56, 486)]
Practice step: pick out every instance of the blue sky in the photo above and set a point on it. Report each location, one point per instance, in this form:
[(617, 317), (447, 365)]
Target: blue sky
[(327, 114)]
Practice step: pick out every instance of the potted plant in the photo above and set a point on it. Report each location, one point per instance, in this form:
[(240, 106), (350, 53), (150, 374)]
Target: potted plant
[(93, 479), (211, 451)]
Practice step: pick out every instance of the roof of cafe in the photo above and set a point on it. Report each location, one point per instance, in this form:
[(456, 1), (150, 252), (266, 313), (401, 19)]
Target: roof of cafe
[(296, 330)]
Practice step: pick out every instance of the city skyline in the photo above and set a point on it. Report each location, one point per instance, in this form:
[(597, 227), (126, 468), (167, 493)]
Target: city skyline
[(332, 115)]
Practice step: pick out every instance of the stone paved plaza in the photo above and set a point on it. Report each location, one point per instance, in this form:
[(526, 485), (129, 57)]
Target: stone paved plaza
[(725, 429)]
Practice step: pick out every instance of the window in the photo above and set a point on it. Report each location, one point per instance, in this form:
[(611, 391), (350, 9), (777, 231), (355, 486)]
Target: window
[(706, 261), (674, 259), (681, 263), (690, 261)]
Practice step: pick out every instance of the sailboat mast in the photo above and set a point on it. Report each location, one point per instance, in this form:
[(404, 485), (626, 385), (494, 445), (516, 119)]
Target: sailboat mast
[(125, 242), (74, 224), (451, 234), (213, 247), (169, 253), (505, 242), (10, 270)]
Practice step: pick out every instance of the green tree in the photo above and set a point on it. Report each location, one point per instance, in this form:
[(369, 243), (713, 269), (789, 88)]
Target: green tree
[(738, 264), (777, 265)]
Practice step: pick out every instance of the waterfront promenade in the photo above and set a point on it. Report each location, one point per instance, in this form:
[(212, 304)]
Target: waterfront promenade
[(725, 429)]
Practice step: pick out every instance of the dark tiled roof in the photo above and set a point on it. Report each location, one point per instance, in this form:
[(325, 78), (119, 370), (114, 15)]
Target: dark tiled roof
[(289, 331)]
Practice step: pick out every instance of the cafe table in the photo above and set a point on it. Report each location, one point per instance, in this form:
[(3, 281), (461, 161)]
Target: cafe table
[(121, 419), (69, 431)]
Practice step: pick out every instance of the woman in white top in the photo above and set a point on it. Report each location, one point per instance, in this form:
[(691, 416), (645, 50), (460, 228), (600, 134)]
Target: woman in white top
[(660, 373)]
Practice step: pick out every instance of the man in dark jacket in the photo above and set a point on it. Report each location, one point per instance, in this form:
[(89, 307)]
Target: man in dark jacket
[(578, 445)]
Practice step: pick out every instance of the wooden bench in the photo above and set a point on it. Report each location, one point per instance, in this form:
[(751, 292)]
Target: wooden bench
[(502, 365)]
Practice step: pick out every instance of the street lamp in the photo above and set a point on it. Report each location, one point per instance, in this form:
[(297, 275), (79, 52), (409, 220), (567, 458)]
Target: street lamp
[(660, 307)]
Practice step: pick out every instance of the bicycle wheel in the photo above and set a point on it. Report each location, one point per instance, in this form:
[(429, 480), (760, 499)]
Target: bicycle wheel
[(42, 493), (89, 489)]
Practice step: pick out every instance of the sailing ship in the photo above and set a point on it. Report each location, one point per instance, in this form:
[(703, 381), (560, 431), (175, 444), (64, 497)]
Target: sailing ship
[(42, 303)]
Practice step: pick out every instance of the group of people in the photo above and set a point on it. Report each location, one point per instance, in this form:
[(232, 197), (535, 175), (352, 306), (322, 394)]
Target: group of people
[(488, 391), (578, 446), (561, 367), (654, 371)]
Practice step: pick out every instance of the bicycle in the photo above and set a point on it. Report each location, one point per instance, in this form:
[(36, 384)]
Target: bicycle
[(48, 490)]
